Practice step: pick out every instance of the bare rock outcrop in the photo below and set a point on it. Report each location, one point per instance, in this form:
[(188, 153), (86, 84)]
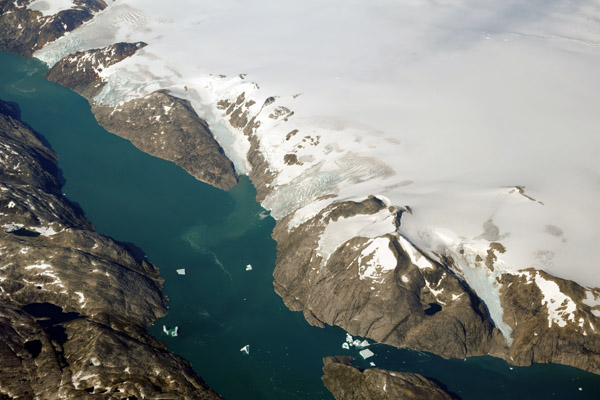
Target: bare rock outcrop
[(159, 124), (74, 304), (553, 320), (346, 382), (81, 71), (407, 305), (166, 126), (24, 31)]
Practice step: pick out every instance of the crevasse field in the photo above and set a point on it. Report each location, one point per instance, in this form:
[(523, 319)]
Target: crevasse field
[(481, 116)]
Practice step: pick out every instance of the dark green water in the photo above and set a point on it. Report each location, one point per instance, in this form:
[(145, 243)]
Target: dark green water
[(218, 306)]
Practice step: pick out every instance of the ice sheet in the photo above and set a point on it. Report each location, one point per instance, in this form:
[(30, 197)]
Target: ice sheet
[(445, 107)]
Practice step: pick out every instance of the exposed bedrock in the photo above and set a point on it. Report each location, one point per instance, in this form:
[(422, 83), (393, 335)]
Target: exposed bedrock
[(81, 71), (74, 304), (417, 303), (346, 382), (561, 329), (159, 124), (25, 31), (168, 127), (406, 306)]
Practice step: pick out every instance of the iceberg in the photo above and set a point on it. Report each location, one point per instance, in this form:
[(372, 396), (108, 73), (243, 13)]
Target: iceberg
[(351, 342), (246, 349), (181, 271), (171, 332), (248, 267), (366, 353)]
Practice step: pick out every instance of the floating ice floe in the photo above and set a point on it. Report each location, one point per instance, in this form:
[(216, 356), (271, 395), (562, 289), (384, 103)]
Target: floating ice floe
[(351, 342), (248, 267), (366, 353), (171, 332), (181, 271), (372, 364), (246, 349)]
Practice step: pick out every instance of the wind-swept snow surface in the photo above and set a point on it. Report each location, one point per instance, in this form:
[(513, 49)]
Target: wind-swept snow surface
[(50, 7), (480, 116)]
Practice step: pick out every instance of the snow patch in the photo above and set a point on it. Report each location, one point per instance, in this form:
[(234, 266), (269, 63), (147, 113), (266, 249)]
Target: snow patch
[(416, 258), (12, 227), (376, 260), (561, 308), (338, 232), (39, 266), (50, 7), (47, 231), (81, 298)]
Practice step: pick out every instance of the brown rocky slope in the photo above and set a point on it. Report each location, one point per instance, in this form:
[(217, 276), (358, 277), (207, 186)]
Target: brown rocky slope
[(346, 382), (69, 323), (159, 124)]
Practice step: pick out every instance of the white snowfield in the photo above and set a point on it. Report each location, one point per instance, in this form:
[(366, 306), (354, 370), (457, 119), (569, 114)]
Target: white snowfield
[(483, 117), (50, 7)]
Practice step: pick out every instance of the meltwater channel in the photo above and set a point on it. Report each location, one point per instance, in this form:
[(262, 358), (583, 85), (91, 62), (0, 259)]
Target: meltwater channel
[(218, 305)]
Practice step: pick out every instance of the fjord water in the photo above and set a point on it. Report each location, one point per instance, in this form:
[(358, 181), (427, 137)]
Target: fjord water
[(218, 306)]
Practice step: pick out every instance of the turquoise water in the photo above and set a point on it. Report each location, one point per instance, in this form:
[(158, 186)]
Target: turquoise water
[(218, 306)]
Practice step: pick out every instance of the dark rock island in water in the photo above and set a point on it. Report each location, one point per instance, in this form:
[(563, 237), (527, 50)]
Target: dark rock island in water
[(346, 382)]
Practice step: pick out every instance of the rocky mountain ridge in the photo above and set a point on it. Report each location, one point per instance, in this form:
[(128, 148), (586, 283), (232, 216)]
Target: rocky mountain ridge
[(159, 124), (346, 382), (70, 326), (23, 31)]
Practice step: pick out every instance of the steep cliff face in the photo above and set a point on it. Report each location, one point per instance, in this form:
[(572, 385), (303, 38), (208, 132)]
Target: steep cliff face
[(346, 382), (74, 305), (159, 124)]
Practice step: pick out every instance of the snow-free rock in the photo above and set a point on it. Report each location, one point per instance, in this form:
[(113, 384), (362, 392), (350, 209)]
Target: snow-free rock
[(74, 305), (159, 124), (346, 382)]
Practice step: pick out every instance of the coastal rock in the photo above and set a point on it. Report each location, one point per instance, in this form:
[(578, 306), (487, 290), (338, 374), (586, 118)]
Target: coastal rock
[(81, 71), (159, 124), (388, 297), (346, 382), (553, 320), (432, 309), (23, 31), (450, 318), (74, 305)]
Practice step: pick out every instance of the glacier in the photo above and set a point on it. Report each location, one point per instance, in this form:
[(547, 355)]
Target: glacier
[(479, 117)]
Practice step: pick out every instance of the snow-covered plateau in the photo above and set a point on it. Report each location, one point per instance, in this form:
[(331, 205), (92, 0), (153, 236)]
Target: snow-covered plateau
[(478, 118)]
